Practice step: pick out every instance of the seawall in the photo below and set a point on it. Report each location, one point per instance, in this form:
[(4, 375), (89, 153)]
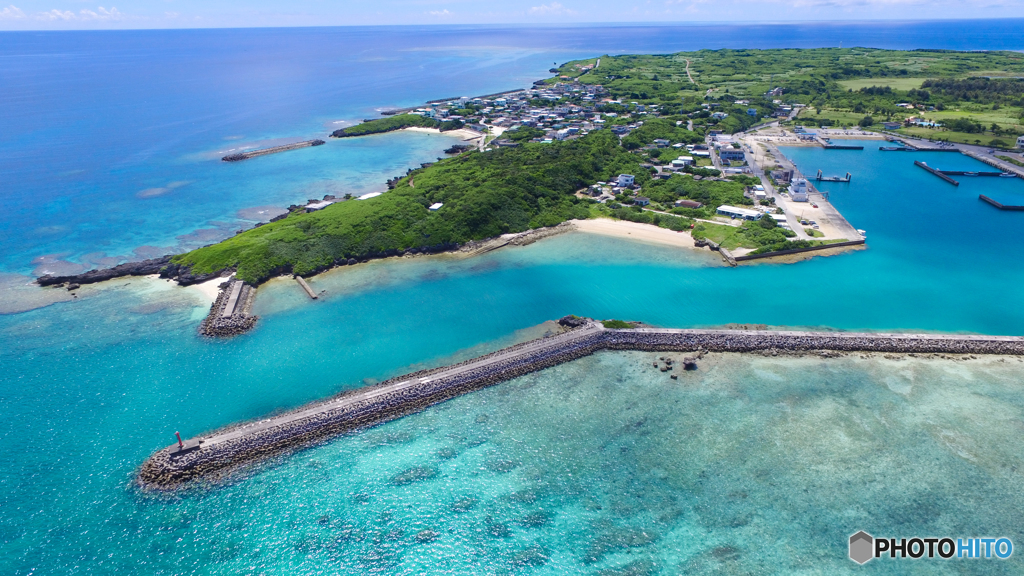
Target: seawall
[(212, 456)]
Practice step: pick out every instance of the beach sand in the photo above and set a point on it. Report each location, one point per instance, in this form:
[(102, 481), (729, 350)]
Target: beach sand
[(635, 231), (208, 290)]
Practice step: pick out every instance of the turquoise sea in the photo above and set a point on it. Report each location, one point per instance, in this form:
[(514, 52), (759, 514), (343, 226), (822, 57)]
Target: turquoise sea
[(601, 466)]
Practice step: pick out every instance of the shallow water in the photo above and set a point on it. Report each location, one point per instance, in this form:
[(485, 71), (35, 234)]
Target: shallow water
[(752, 465)]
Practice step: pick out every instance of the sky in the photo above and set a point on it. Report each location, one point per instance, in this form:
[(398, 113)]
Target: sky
[(87, 15)]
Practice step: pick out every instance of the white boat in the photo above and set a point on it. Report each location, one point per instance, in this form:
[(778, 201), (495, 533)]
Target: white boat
[(862, 233)]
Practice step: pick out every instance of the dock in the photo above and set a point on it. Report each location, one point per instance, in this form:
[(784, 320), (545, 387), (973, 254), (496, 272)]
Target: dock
[(229, 308), (305, 286), (1000, 205), (264, 151), (215, 455), (830, 146), (821, 178), (936, 172)]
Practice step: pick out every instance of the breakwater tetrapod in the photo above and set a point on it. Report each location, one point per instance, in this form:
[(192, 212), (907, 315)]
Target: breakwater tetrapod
[(214, 455)]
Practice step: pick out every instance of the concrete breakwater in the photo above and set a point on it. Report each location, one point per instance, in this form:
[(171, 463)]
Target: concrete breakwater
[(273, 150), (214, 455)]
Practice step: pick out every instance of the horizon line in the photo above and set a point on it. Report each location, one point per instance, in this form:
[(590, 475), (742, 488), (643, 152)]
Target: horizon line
[(604, 24)]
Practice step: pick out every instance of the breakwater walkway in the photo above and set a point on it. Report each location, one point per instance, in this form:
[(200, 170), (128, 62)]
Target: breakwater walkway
[(273, 150), (214, 455)]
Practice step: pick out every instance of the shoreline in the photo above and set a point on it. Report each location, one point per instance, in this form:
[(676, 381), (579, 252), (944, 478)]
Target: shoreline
[(216, 455)]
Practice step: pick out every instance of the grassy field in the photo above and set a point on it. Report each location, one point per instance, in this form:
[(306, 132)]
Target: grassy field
[(809, 115), (961, 137), (1009, 116), (729, 237), (894, 83), (1011, 160)]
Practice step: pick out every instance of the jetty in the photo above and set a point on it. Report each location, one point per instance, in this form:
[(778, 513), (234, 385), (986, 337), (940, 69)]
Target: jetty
[(305, 286), (273, 150), (821, 178), (231, 312), (1000, 205), (936, 172), (830, 146), (214, 456)]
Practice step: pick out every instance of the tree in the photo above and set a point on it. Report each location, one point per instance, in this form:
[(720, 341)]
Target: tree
[(866, 121)]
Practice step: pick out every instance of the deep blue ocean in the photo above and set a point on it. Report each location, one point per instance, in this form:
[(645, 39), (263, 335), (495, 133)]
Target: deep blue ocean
[(109, 147)]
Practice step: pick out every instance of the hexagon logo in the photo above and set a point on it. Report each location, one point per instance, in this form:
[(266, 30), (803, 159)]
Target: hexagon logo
[(862, 547)]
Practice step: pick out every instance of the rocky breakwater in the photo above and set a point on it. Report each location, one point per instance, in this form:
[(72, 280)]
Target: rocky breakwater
[(661, 339), (231, 312), (212, 456)]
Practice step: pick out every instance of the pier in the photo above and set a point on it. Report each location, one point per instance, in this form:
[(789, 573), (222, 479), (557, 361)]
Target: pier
[(821, 178), (1000, 205), (274, 150), (830, 146), (305, 286), (215, 455), (936, 172)]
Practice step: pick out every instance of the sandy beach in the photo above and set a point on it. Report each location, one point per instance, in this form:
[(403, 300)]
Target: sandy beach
[(635, 231), (461, 133)]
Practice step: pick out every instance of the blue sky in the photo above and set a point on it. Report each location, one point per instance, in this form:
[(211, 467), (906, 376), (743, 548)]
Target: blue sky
[(86, 14)]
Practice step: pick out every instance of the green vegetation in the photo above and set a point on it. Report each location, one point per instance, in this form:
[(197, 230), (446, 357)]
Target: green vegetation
[(485, 194), (896, 83), (616, 324), (852, 82), (813, 233), (388, 124), (765, 235)]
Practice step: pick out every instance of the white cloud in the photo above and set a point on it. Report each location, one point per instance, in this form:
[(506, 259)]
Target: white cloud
[(172, 14), (11, 12), (444, 12), (101, 13), (551, 9), (56, 15)]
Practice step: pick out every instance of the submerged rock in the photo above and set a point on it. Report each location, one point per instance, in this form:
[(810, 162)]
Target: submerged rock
[(413, 475), (425, 536)]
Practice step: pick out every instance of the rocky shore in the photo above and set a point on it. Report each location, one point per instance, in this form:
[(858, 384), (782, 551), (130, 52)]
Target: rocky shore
[(214, 455)]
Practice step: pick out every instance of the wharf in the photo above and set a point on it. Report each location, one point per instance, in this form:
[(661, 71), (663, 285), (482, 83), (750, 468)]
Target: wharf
[(1000, 205), (842, 225), (830, 146), (222, 451), (274, 150), (936, 172)]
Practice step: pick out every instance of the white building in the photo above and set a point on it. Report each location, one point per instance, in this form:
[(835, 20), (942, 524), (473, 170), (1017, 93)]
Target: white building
[(435, 206), (1020, 141), (734, 212), (624, 180), (798, 190)]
